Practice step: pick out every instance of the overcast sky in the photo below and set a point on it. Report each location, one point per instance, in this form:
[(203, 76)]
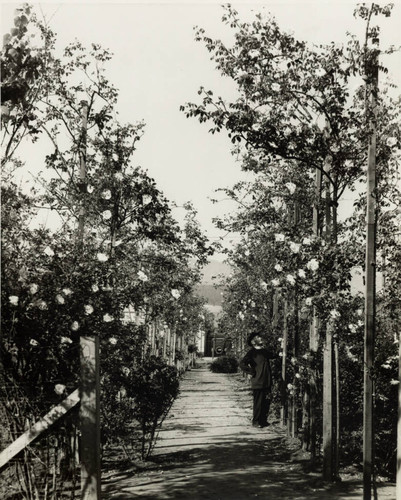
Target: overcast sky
[(157, 66)]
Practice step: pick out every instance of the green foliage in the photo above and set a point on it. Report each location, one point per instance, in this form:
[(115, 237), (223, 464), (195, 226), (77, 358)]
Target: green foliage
[(224, 364), (136, 397), (300, 110), (153, 386), (116, 245)]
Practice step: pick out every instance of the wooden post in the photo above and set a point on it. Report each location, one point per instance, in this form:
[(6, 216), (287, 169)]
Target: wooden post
[(328, 404), (328, 359), (314, 331), (283, 410), (90, 418), (275, 310), (173, 342), (370, 291), (82, 170), (89, 365), (296, 341), (398, 492)]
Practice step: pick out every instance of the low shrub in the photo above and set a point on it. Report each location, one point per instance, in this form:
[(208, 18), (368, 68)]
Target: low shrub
[(224, 364)]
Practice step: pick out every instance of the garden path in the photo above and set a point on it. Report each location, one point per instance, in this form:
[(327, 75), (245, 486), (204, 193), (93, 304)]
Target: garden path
[(207, 449)]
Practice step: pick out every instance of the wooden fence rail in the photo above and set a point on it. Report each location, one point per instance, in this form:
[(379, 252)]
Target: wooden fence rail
[(39, 427)]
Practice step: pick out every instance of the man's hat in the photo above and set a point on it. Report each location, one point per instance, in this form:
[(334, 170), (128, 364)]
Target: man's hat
[(252, 336)]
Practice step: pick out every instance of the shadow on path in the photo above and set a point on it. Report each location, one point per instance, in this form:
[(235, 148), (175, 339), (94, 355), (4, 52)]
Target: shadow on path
[(233, 470), (207, 449)]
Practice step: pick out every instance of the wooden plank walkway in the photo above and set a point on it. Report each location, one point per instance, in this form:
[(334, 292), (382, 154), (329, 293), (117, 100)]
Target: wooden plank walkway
[(207, 449)]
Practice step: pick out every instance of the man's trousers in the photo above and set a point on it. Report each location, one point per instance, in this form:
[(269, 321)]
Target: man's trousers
[(261, 405)]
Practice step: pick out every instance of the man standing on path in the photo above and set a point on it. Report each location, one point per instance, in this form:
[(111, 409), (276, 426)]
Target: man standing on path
[(256, 363)]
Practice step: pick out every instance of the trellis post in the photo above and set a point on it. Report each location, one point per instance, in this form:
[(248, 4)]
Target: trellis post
[(370, 287), (89, 365)]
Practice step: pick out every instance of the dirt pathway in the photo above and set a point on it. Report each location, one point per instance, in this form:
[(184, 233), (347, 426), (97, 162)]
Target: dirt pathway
[(207, 449)]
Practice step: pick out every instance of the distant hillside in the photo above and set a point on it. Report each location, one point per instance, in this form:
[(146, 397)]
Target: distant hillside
[(213, 269), (211, 276), (211, 294)]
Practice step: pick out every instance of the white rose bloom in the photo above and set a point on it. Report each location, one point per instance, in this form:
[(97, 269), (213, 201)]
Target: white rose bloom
[(297, 375), (60, 299), (278, 267), (118, 176), (246, 253), (301, 273), (34, 342), (102, 257), (146, 199), (175, 293), (66, 291), (75, 326), (107, 318), (290, 278), (142, 276), (48, 251), (88, 309), (115, 157), (275, 87), (308, 301), (42, 305), (352, 328), (106, 215), (277, 204), (13, 300), (291, 187), (279, 237), (334, 314), (313, 265), (242, 74), (113, 340), (95, 288), (263, 285), (290, 386), (254, 53), (126, 370), (275, 282), (106, 194), (33, 288), (391, 141), (59, 389), (66, 340), (306, 241), (90, 189), (294, 247), (360, 323), (256, 127)]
